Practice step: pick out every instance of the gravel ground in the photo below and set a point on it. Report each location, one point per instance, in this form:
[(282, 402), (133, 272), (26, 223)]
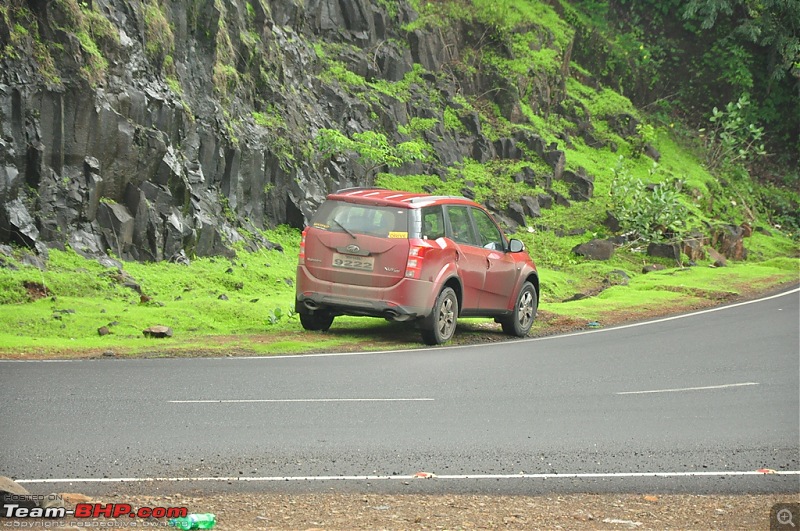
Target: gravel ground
[(238, 511)]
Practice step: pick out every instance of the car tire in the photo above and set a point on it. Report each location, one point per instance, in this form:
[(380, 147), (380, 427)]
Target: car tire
[(440, 325), (317, 321), (521, 319)]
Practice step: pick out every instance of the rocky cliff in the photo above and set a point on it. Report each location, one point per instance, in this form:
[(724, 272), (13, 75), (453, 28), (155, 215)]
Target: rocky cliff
[(150, 128)]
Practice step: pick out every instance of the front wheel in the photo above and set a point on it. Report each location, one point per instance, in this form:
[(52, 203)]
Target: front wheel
[(440, 325), (521, 319), (318, 320)]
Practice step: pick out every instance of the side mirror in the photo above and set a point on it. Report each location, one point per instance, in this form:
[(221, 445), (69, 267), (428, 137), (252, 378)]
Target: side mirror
[(515, 246)]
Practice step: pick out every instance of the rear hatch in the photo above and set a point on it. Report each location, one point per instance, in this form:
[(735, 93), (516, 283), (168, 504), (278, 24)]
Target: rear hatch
[(358, 244)]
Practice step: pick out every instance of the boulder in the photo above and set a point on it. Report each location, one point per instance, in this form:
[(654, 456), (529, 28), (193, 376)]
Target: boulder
[(530, 206), (728, 241), (557, 160), (581, 184), (664, 250), (158, 331), (516, 213), (719, 259), (595, 249), (545, 200), (694, 248)]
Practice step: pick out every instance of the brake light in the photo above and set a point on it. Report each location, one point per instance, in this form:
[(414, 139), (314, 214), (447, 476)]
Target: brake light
[(416, 255), (301, 258)]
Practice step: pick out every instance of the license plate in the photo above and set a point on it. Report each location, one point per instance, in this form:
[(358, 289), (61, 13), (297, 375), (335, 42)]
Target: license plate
[(348, 261)]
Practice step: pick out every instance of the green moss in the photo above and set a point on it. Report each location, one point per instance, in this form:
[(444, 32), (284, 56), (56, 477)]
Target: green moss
[(452, 122), (159, 38), (96, 65)]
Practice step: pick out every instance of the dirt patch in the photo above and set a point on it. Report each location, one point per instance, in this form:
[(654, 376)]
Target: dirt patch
[(35, 290), (402, 512)]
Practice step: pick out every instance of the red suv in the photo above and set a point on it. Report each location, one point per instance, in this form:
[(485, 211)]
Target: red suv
[(412, 257)]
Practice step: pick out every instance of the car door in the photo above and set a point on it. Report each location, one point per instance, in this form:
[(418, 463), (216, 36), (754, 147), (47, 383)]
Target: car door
[(501, 268), (470, 258)]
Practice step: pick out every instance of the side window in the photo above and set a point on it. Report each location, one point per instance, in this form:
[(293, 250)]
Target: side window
[(432, 222), (460, 225), (487, 231)]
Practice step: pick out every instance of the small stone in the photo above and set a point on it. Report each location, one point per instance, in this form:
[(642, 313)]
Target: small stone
[(653, 267), (103, 331), (223, 297)]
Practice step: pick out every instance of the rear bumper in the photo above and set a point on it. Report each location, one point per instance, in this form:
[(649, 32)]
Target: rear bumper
[(408, 299)]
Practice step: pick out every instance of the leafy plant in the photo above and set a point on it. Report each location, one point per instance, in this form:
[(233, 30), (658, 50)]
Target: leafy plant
[(371, 149), (733, 138), (652, 215)]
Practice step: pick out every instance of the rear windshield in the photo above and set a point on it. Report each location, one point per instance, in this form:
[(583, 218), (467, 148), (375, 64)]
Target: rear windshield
[(339, 216)]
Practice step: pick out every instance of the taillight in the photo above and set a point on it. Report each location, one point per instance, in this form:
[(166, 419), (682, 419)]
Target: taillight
[(301, 259), (416, 255)]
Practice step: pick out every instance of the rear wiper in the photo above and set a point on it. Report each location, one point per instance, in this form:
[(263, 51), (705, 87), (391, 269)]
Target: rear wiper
[(348, 231)]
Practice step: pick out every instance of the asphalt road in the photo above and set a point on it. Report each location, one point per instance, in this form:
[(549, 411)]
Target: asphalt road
[(692, 404)]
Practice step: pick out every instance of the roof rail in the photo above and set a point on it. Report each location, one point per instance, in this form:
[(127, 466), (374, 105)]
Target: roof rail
[(437, 197), (358, 189)]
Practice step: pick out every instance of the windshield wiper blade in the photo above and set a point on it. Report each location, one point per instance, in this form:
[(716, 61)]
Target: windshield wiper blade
[(348, 231)]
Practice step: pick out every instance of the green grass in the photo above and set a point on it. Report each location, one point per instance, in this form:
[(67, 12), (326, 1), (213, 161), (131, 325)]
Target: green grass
[(672, 289), (258, 318)]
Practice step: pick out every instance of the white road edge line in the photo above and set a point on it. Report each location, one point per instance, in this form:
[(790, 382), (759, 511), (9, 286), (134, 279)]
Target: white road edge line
[(269, 400), (609, 475), (678, 390)]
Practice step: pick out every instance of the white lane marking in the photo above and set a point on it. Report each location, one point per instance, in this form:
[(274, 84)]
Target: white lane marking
[(411, 350), (589, 475), (678, 390), (255, 400)]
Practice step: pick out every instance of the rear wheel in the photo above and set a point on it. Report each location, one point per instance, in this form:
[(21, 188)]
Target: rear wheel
[(318, 320), (521, 319), (440, 325)]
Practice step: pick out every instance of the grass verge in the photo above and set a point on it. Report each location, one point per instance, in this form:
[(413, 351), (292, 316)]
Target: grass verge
[(245, 306)]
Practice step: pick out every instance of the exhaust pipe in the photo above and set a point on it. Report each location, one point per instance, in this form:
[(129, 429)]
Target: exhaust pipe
[(311, 305)]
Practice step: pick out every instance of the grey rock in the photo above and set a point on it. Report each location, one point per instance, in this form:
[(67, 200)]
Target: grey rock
[(516, 212), (664, 250), (581, 184), (157, 331), (19, 224), (531, 206), (595, 249)]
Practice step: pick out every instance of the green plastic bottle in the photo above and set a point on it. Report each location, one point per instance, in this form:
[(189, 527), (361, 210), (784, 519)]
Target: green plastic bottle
[(195, 521)]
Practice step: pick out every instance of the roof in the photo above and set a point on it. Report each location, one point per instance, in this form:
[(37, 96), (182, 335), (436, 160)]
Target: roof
[(382, 196)]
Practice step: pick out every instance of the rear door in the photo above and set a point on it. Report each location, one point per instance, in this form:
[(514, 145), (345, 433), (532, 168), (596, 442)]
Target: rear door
[(358, 244)]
